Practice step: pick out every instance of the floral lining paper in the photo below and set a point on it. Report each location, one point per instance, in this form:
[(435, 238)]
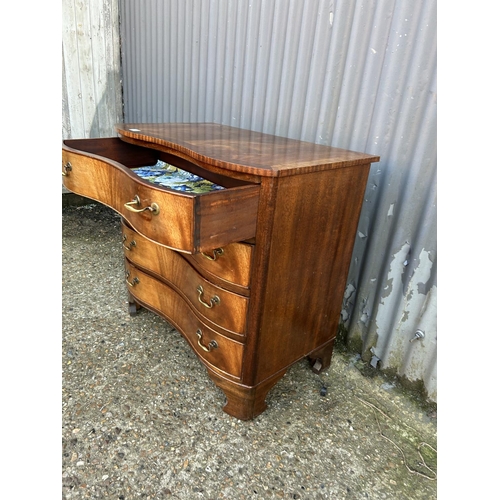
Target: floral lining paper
[(169, 176)]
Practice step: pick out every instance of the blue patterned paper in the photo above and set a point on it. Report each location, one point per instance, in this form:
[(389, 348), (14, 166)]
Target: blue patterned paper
[(172, 177)]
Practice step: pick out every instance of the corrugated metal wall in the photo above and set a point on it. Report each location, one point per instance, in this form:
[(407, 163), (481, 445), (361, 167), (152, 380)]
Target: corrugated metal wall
[(354, 74), (91, 69)]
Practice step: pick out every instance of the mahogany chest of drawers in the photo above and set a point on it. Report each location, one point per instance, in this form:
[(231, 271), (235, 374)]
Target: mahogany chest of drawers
[(248, 261)]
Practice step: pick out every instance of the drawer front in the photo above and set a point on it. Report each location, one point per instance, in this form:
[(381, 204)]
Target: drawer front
[(231, 263), (225, 309), (184, 221), (215, 350)]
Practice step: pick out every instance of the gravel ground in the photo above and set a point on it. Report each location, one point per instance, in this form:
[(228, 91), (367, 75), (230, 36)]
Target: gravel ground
[(142, 420)]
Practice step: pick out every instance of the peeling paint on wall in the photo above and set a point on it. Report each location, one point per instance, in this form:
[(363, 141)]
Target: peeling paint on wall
[(414, 307)]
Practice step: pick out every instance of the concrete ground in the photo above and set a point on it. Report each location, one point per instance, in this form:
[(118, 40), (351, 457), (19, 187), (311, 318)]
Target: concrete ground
[(142, 420)]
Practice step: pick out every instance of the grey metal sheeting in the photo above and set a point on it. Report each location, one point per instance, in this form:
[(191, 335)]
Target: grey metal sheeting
[(357, 75)]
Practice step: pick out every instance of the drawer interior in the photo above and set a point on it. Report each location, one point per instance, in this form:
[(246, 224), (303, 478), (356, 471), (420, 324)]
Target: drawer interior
[(134, 157)]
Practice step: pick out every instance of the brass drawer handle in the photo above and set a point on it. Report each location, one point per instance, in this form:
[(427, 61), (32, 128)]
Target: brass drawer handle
[(154, 208), (134, 282), (67, 168), (213, 301), (211, 345), (132, 243), (216, 253)]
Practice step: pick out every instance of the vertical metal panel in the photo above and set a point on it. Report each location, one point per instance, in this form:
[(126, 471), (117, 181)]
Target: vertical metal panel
[(92, 86), (359, 75)]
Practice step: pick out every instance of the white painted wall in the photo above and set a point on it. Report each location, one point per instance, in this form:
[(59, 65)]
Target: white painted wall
[(91, 72)]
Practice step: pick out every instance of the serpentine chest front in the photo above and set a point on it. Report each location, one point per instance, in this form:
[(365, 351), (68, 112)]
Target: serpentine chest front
[(240, 240)]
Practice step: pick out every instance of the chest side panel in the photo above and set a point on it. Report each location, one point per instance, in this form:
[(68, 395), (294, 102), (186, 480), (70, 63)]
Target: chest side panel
[(313, 232)]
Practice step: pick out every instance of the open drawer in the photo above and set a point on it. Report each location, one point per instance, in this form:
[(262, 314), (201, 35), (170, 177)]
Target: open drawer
[(103, 170)]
